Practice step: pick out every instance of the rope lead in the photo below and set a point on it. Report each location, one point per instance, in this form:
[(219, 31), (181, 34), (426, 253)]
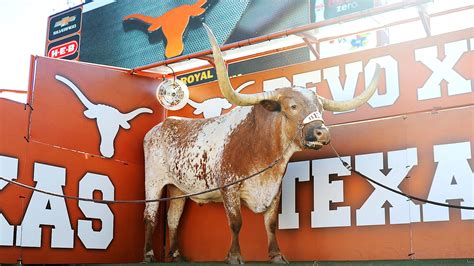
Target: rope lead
[(271, 165), (399, 192)]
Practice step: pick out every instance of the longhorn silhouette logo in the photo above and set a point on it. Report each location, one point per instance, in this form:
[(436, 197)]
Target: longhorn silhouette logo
[(213, 107), (173, 24), (108, 118)]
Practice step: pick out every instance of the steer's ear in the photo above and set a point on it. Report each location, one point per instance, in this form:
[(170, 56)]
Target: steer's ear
[(272, 106)]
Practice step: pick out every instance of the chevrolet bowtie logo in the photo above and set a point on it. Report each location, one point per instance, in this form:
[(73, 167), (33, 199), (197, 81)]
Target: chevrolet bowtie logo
[(64, 21)]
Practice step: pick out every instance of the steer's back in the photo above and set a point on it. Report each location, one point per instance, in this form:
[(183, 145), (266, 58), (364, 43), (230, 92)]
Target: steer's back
[(188, 152)]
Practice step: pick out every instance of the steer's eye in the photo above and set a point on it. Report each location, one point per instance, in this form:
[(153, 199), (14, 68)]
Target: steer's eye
[(294, 107)]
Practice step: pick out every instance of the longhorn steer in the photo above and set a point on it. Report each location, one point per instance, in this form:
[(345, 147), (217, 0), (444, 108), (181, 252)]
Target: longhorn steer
[(109, 119), (192, 155)]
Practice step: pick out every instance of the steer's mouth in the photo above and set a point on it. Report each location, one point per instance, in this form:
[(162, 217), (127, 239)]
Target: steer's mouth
[(314, 145)]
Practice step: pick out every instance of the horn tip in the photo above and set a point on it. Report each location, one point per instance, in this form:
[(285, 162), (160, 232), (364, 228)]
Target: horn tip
[(210, 34), (208, 29), (377, 72), (378, 69)]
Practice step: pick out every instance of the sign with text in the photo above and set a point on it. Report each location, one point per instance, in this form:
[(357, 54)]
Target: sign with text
[(337, 8), (64, 24), (67, 48)]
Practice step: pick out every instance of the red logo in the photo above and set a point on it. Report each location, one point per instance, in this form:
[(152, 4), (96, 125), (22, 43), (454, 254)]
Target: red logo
[(63, 50)]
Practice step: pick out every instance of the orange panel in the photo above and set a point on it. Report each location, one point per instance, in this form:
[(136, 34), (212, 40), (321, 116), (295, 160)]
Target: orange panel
[(57, 107), (61, 136)]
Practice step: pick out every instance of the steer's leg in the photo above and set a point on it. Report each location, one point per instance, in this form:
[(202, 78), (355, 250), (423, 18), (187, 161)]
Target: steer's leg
[(150, 216), (232, 207), (270, 216), (174, 214)]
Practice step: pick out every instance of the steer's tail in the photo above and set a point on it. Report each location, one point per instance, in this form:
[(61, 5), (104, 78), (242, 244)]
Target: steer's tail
[(150, 219), (153, 190)]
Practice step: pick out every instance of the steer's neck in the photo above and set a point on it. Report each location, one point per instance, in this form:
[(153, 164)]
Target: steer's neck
[(259, 140), (268, 125)]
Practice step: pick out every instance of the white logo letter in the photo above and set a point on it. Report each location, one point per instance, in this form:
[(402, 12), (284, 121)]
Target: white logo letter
[(96, 239), (311, 78), (443, 70), (401, 211), (47, 210), (8, 170), (453, 180), (289, 218), (352, 74), (392, 87), (326, 191)]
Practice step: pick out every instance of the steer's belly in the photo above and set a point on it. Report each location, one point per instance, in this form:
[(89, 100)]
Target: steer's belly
[(214, 196), (258, 195), (192, 184)]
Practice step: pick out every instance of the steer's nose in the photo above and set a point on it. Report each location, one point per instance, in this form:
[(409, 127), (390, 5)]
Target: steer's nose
[(317, 132), (322, 134)]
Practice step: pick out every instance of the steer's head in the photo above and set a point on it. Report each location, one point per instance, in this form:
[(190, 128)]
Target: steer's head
[(300, 108)]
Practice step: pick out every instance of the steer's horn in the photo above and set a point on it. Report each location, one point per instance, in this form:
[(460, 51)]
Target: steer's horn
[(342, 106), (224, 83), (132, 114), (76, 91)]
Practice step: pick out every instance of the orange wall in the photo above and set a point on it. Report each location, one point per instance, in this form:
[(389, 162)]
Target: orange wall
[(61, 136)]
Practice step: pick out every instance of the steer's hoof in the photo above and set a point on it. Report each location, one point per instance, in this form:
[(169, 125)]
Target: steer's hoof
[(234, 259), (179, 259), (279, 259), (149, 257)]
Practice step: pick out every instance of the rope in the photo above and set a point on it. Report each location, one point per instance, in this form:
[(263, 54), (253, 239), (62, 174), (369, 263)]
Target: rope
[(271, 165), (348, 167)]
